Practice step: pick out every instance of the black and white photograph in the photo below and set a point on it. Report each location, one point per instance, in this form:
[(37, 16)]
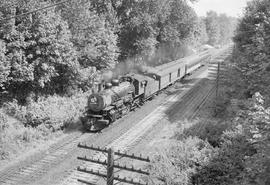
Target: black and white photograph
[(134, 92)]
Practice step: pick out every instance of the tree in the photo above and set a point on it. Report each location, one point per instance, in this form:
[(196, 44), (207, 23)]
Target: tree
[(200, 33), (137, 34), (212, 27), (39, 50), (93, 33), (252, 43), (4, 66), (176, 26), (254, 122), (152, 27), (227, 26)]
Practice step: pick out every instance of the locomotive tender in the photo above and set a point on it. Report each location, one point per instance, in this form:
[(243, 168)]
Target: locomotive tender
[(130, 91)]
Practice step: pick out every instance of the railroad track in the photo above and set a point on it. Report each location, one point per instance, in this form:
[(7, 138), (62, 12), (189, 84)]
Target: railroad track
[(36, 166), (128, 140), (204, 100), (189, 110)]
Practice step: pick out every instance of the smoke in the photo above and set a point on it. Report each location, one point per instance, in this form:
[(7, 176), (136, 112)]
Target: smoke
[(146, 64), (107, 76), (131, 65), (147, 69), (169, 52)]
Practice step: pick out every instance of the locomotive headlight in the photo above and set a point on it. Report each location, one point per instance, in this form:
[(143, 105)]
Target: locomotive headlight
[(93, 100)]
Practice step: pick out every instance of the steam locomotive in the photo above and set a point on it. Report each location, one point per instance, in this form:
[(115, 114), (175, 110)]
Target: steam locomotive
[(122, 95)]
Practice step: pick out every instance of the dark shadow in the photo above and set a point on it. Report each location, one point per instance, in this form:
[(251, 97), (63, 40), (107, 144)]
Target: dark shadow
[(206, 130), (179, 86), (227, 165), (74, 127), (224, 160), (183, 104)]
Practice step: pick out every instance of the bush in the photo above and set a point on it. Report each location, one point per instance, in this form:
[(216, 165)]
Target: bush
[(252, 47), (12, 108), (37, 120), (3, 122), (228, 166), (179, 163), (9, 137), (206, 130), (54, 112), (15, 137)]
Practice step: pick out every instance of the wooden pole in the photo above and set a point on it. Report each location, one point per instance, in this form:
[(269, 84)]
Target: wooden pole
[(217, 84), (110, 174), (218, 73)]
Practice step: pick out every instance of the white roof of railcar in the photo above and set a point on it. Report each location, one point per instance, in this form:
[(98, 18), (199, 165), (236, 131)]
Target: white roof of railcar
[(175, 65), (182, 60)]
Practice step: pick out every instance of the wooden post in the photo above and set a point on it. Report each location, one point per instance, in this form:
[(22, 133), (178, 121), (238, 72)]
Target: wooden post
[(111, 165), (217, 84), (110, 174), (218, 73)]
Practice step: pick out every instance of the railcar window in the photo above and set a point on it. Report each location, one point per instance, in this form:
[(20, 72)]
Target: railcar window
[(178, 74)]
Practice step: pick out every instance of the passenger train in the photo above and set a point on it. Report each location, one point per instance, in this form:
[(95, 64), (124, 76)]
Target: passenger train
[(122, 95)]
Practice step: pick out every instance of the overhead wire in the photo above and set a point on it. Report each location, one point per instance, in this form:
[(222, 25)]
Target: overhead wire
[(34, 11)]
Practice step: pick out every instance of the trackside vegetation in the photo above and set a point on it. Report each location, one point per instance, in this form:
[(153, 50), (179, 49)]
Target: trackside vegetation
[(62, 49), (50, 60), (233, 145)]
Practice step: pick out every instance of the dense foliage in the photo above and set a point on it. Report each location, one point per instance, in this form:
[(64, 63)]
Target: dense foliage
[(219, 28), (61, 49), (53, 112), (252, 47), (243, 157), (180, 161), (93, 35), (39, 55), (21, 126), (232, 152), (51, 58)]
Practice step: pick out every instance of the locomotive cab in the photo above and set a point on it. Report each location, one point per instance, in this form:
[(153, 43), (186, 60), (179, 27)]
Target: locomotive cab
[(139, 83)]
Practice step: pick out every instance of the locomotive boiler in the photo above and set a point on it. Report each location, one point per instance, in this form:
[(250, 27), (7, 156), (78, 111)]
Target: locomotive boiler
[(109, 104)]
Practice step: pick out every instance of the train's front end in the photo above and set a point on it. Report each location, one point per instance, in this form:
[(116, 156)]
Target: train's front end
[(98, 101), (93, 119), (107, 105)]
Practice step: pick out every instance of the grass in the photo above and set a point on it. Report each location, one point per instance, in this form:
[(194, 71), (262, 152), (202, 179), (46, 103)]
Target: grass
[(25, 127), (15, 137)]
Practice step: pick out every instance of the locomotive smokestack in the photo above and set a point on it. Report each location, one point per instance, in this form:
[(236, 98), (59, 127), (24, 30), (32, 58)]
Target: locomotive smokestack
[(108, 85), (115, 82)]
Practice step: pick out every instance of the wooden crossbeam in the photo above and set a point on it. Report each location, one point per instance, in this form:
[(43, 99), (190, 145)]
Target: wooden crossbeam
[(132, 156), (105, 150), (131, 169), (125, 180)]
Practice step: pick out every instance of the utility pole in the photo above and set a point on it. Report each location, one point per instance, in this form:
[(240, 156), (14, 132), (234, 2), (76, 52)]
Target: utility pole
[(217, 81), (111, 165), (110, 174), (217, 85)]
